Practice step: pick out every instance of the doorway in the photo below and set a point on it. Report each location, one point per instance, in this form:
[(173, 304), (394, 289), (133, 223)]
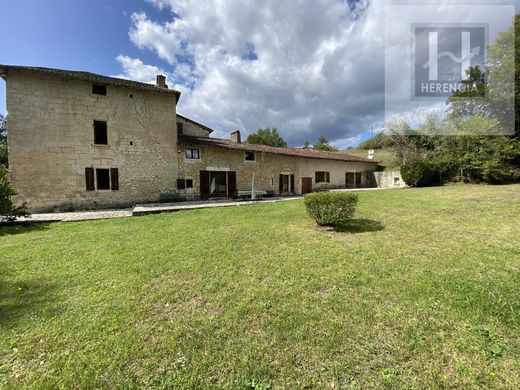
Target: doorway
[(353, 179), (306, 185), (286, 184), (217, 184)]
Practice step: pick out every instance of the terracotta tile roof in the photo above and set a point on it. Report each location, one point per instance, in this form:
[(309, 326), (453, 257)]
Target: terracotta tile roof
[(87, 76), (297, 152)]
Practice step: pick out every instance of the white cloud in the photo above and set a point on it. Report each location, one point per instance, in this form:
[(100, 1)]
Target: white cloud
[(306, 67)]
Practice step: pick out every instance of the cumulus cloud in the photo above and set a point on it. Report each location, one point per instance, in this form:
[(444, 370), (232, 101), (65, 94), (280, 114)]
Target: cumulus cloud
[(306, 67)]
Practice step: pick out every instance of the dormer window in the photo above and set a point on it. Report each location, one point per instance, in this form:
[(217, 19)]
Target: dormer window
[(98, 89)]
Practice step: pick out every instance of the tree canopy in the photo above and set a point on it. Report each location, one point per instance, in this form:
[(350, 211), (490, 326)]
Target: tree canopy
[(323, 144), (267, 136)]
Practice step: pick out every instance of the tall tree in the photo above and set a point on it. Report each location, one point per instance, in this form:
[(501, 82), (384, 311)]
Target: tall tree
[(323, 144), (3, 128), (267, 136)]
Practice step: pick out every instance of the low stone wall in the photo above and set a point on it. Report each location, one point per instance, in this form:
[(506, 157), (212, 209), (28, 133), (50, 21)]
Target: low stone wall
[(389, 179)]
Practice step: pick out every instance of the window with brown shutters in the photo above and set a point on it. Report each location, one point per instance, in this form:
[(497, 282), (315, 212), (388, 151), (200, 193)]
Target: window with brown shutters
[(322, 177), (114, 179), (102, 179), (89, 179)]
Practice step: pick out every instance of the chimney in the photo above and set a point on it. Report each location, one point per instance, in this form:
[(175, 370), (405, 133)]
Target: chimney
[(235, 136), (161, 81)]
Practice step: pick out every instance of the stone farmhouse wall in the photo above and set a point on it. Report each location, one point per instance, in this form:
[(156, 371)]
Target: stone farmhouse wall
[(267, 168), (51, 142), (190, 128), (389, 179)]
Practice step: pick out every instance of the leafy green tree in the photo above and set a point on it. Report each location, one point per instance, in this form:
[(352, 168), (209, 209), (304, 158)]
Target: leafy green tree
[(3, 140), (323, 144), (306, 145), (378, 141), (267, 136), (8, 212)]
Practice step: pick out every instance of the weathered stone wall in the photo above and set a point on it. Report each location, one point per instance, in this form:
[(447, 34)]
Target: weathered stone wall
[(51, 142), (190, 128), (389, 179), (267, 168)]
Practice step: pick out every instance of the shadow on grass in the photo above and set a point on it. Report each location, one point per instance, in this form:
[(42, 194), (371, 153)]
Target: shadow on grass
[(359, 226), (24, 301), (22, 227)]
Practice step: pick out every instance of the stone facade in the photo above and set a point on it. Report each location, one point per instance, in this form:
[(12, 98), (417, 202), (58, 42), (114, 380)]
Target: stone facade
[(192, 128), (389, 179), (51, 142), (267, 168)]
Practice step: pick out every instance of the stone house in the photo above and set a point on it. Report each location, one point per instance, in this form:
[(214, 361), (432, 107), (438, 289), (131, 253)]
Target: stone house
[(82, 140)]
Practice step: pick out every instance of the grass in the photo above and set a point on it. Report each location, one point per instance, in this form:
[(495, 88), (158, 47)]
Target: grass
[(385, 157), (421, 290)]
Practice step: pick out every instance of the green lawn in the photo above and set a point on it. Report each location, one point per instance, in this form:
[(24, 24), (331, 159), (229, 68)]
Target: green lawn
[(424, 291)]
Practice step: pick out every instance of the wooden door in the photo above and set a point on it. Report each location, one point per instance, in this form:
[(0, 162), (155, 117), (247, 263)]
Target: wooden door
[(204, 184), (350, 180), (306, 185)]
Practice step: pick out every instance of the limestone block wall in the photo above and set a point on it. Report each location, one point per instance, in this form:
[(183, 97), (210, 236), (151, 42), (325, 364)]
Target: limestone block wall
[(51, 142), (267, 168), (190, 128), (389, 179)]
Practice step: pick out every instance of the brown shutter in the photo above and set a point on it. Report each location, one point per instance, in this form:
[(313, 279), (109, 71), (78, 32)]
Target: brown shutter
[(232, 183), (281, 184), (114, 179), (181, 184), (204, 184), (292, 184), (89, 179)]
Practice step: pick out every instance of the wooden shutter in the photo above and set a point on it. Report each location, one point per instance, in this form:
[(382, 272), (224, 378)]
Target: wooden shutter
[(232, 183), (204, 184), (281, 183), (181, 184), (89, 179), (114, 179), (292, 184)]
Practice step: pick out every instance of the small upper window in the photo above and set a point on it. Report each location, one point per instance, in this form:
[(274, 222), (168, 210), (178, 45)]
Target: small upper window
[(189, 183), (192, 153), (249, 156), (100, 133), (322, 177), (99, 89), (179, 128)]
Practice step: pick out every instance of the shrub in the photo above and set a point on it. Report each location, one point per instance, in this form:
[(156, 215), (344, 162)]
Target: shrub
[(8, 213), (330, 208), (417, 173)]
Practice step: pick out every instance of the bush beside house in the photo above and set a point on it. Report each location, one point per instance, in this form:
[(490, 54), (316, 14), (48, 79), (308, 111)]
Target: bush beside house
[(8, 212)]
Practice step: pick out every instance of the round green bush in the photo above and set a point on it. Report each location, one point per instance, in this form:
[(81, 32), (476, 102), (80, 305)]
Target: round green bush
[(417, 173), (330, 208)]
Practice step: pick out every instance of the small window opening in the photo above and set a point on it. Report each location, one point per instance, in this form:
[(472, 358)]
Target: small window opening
[(131, 143), (100, 133), (179, 128), (189, 183), (99, 89), (250, 156), (103, 179), (322, 177), (192, 153), (131, 96)]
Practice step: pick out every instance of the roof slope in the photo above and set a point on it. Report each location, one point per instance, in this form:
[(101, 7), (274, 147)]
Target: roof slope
[(307, 153), (87, 76)]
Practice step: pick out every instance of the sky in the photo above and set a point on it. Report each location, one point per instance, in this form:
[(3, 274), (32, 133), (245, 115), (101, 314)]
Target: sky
[(309, 68)]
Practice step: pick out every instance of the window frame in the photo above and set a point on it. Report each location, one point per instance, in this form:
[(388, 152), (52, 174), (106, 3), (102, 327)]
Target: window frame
[(99, 89), (189, 153), (326, 177), (94, 123), (250, 153), (97, 171)]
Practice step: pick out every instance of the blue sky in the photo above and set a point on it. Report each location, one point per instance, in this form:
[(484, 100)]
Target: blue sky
[(307, 67)]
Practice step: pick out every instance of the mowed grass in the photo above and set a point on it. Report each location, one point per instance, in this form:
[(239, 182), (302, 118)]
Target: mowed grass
[(421, 291)]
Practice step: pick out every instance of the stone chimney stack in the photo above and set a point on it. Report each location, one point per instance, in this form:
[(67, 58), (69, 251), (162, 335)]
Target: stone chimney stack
[(235, 136), (161, 81)]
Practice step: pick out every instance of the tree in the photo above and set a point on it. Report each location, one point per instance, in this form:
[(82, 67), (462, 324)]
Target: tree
[(8, 212), (267, 136), (323, 144), (3, 140), (378, 141), (306, 145)]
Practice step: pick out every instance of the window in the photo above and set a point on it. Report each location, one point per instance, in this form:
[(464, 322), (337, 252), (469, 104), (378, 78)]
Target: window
[(249, 156), (103, 179), (98, 89), (100, 133), (179, 128), (192, 153), (322, 177), (189, 183)]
